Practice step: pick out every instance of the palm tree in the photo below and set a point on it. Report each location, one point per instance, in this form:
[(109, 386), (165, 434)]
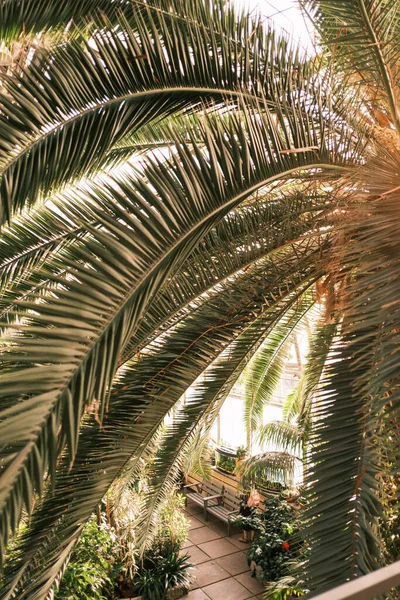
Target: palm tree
[(289, 436), (172, 176)]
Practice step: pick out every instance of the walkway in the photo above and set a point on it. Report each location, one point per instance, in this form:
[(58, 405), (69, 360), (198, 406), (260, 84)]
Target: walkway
[(221, 571)]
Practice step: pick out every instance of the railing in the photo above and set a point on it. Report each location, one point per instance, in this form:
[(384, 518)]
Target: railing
[(368, 587)]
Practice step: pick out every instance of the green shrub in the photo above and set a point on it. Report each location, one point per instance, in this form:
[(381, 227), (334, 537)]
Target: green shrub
[(278, 543), (173, 527), (163, 568), (91, 570)]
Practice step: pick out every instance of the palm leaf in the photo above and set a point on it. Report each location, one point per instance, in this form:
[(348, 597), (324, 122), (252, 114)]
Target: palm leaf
[(144, 394), (299, 401), (54, 133), (275, 466), (363, 35), (205, 402), (264, 372), (160, 223), (279, 433)]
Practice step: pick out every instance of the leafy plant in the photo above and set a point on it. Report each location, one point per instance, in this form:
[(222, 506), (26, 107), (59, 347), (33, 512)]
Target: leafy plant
[(284, 589), (163, 568), (277, 544), (92, 570), (173, 526), (149, 584), (241, 452), (226, 464)]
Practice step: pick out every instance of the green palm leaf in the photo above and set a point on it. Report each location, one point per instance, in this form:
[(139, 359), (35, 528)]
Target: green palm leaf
[(205, 402), (275, 466), (363, 36), (130, 259), (162, 63), (144, 394)]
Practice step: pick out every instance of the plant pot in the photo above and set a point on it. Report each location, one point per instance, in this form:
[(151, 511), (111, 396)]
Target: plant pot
[(176, 592), (259, 573)]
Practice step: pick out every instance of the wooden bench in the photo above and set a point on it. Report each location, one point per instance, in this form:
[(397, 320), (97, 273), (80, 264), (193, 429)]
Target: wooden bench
[(225, 507), (202, 492)]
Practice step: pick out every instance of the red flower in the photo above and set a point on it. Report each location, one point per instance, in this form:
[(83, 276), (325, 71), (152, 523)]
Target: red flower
[(286, 545)]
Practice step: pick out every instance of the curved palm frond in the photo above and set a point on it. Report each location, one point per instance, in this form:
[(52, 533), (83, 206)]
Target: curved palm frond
[(273, 466), (263, 374), (361, 381), (205, 401), (152, 385), (285, 435), (343, 504), (197, 457), (363, 38), (148, 67), (298, 403), (113, 275), (29, 17)]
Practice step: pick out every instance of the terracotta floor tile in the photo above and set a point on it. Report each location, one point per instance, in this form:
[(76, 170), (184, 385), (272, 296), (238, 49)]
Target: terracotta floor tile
[(202, 535), (187, 544), (221, 527), (200, 516), (193, 509), (234, 563), (196, 556), (235, 540), (251, 583), (218, 548), (227, 590), (207, 573), (197, 595), (194, 523)]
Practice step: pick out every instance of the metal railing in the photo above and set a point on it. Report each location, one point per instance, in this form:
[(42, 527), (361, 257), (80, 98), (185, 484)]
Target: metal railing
[(368, 587)]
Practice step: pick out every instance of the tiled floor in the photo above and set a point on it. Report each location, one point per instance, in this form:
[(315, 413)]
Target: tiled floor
[(221, 571)]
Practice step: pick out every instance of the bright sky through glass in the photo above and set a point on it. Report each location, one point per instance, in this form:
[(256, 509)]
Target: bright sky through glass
[(285, 14)]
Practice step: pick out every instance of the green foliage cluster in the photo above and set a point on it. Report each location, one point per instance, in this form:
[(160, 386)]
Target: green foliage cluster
[(277, 543), (173, 527), (163, 568), (226, 464), (99, 566), (91, 571)]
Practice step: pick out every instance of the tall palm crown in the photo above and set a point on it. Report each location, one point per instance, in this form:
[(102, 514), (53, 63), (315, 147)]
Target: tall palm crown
[(175, 178)]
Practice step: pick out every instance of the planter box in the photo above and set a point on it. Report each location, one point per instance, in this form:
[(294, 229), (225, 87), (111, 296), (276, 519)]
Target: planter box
[(172, 593), (177, 592), (227, 456)]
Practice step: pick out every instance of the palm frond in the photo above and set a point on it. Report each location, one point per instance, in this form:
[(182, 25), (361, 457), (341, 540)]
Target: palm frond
[(363, 35), (147, 67), (30, 17), (284, 435), (263, 374), (197, 456), (112, 276), (206, 400), (144, 394), (273, 466), (343, 504), (299, 401)]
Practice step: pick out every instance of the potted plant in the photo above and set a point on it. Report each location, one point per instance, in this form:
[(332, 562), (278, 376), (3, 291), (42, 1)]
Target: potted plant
[(225, 459), (241, 455)]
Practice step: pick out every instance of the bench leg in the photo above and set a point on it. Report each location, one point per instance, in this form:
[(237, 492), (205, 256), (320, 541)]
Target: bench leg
[(229, 528), (205, 513)]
